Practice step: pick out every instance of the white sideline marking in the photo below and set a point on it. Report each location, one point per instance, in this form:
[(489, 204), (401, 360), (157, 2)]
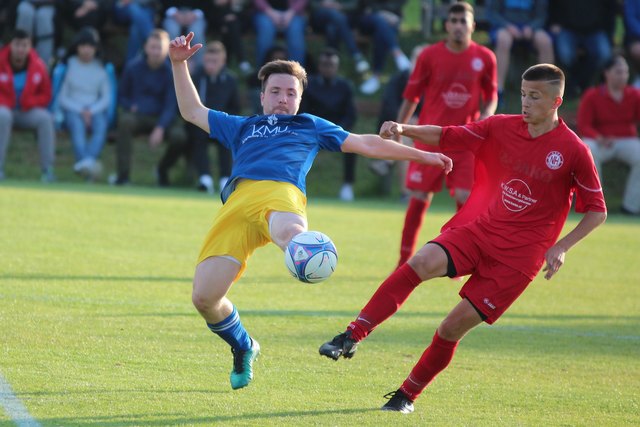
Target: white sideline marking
[(13, 407)]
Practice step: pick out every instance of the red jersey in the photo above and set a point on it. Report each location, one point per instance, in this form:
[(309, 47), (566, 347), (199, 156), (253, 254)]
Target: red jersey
[(523, 186), (601, 115), (452, 84)]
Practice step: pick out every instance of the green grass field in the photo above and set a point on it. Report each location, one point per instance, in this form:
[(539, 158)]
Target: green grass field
[(97, 326)]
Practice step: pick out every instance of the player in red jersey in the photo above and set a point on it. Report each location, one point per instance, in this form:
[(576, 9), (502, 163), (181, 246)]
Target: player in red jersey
[(528, 168), (452, 77)]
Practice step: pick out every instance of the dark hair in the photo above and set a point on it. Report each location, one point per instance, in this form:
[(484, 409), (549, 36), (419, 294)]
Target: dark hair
[(279, 66), (329, 52), (159, 34), (460, 7), (19, 34), (611, 62), (215, 47), (548, 73), (614, 60), (86, 35), (277, 51)]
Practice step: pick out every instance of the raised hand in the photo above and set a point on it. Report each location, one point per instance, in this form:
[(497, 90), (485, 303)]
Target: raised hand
[(180, 48)]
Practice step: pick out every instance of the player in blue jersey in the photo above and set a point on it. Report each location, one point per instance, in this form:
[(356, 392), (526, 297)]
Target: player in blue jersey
[(264, 199)]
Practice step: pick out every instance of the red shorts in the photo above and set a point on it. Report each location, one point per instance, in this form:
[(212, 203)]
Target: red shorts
[(493, 286), (429, 178)]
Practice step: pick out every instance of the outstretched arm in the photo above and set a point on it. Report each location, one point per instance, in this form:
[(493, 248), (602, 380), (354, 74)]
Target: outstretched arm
[(555, 255), (425, 133), (191, 109), (379, 148)]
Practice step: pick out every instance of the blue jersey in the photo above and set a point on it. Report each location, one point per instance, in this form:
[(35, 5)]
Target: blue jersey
[(276, 147)]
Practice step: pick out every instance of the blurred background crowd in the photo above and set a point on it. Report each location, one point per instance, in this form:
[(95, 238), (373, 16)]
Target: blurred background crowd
[(84, 73)]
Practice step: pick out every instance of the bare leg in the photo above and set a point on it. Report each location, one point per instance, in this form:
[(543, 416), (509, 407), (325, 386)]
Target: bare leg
[(459, 321), (284, 226), (544, 45), (213, 279)]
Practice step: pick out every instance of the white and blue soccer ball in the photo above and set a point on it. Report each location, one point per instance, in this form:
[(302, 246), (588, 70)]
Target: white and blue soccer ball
[(311, 257)]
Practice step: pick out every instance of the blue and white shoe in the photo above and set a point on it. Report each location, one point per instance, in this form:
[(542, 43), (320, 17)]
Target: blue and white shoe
[(242, 372)]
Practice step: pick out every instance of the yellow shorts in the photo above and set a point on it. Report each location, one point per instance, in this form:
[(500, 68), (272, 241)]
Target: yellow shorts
[(242, 224)]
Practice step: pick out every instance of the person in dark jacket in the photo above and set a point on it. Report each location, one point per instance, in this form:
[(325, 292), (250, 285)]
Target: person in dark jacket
[(218, 89), (148, 102), (331, 97)]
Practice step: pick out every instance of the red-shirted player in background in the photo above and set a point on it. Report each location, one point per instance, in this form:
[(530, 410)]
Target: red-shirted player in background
[(528, 168), (452, 77)]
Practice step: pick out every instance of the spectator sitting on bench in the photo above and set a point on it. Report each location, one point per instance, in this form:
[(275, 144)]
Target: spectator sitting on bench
[(148, 101), (25, 93), (85, 99), (518, 23), (608, 116)]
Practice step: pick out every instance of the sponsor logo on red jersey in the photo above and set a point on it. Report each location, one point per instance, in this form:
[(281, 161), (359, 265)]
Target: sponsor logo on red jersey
[(516, 195), (457, 96)]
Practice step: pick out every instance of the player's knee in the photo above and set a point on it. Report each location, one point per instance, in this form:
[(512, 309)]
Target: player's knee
[(453, 328), (450, 331), (204, 297), (428, 264), (204, 302)]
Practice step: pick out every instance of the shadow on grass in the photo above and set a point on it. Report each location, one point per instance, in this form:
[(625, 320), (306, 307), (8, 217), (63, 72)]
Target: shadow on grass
[(36, 394), (87, 278), (280, 279), (179, 419)]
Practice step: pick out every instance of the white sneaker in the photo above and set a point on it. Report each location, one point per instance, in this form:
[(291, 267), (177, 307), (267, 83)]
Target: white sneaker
[(94, 171), (402, 62), (206, 183), (370, 86), (83, 165), (346, 193), (362, 66)]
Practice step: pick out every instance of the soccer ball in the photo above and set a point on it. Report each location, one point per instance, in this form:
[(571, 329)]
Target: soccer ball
[(311, 257)]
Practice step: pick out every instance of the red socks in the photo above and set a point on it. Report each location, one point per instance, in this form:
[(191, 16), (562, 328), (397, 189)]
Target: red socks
[(412, 224), (434, 359), (391, 294)]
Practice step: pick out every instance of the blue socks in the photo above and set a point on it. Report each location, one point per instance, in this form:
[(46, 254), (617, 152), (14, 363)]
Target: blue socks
[(232, 331)]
